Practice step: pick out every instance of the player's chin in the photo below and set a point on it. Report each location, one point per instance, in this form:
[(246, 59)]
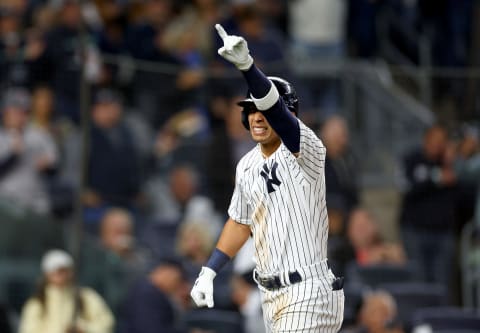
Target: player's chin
[(260, 139), (255, 137)]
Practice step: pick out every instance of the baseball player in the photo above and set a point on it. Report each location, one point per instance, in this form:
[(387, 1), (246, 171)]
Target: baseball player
[(279, 199)]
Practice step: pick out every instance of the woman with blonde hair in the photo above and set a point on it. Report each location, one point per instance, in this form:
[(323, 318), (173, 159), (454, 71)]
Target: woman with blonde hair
[(194, 244), (59, 306)]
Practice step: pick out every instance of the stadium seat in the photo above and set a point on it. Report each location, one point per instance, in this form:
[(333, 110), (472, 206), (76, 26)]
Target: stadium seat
[(25, 235), (374, 275), (411, 296), (456, 331), (217, 321), (449, 319), (353, 301), (17, 281)]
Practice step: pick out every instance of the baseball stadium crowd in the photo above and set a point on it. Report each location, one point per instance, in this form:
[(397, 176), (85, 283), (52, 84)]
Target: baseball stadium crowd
[(163, 138)]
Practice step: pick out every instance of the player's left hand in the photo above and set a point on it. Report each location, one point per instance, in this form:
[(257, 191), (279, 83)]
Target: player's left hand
[(234, 49)]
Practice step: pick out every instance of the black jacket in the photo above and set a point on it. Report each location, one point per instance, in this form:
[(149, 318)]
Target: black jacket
[(341, 181), (114, 166), (427, 204), (148, 310)]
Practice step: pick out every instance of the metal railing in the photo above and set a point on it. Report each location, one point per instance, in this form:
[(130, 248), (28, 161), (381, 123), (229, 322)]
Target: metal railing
[(384, 120)]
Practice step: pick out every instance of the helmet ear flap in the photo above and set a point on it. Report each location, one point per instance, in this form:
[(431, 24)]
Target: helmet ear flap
[(245, 120)]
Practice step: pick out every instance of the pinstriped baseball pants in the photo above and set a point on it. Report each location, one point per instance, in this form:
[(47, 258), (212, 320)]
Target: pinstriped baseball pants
[(308, 306)]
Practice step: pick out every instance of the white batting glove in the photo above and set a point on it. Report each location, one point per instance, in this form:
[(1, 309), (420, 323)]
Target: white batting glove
[(234, 49), (202, 291)]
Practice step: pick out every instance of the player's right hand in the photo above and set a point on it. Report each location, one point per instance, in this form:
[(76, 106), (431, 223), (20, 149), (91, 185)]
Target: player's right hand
[(234, 49), (202, 291)]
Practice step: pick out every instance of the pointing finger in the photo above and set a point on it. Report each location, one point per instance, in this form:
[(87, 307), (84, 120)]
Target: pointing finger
[(221, 32)]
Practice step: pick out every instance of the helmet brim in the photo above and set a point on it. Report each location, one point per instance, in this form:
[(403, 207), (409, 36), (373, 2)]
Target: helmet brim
[(246, 102)]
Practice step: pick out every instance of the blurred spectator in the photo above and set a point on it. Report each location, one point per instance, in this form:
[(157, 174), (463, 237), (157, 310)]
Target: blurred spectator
[(12, 66), (181, 140), (152, 303), (190, 35), (43, 107), (229, 21), (62, 60), (362, 27), (34, 53), (180, 200), (245, 260), (427, 213), (117, 237), (59, 306), (142, 42), (341, 181), (341, 168), (264, 41), (117, 259), (467, 166), (27, 154), (317, 30), (462, 146), (275, 13), (369, 247), (194, 245), (244, 290), (340, 250), (114, 168), (189, 38), (336, 220), (246, 296), (112, 262), (43, 16), (378, 314), (145, 41), (447, 22), (60, 191), (229, 141), (110, 37)]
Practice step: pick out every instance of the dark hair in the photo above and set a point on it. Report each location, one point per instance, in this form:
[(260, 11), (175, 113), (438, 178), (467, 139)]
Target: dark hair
[(435, 127), (171, 261)]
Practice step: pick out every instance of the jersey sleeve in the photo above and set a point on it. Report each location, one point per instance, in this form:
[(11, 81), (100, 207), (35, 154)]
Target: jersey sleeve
[(239, 209), (312, 153)]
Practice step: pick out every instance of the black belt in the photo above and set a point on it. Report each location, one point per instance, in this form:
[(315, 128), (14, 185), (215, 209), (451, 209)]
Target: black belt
[(274, 282)]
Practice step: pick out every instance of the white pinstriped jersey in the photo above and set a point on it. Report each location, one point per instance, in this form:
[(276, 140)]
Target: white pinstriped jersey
[(282, 198)]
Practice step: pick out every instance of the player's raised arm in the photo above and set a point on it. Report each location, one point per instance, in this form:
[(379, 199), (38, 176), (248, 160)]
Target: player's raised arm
[(263, 93)]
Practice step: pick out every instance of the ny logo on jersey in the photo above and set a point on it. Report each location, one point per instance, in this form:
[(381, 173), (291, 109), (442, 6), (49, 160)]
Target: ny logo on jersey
[(270, 177)]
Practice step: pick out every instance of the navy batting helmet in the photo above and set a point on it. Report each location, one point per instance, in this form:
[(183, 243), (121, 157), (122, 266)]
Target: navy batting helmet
[(286, 92)]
